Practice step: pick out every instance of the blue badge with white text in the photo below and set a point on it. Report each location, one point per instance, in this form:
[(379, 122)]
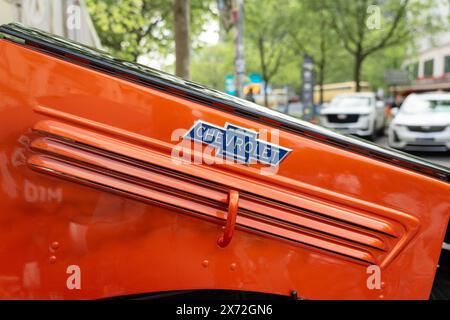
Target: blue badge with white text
[(237, 143)]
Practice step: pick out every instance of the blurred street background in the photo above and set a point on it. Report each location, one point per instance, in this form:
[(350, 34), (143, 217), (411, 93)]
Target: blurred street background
[(377, 69), (441, 158)]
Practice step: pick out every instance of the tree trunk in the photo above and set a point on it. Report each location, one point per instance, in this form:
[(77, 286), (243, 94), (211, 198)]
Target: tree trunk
[(182, 43), (357, 71), (266, 101), (321, 79), (322, 58), (263, 68)]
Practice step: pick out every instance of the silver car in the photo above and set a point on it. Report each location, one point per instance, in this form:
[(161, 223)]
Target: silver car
[(422, 123), (355, 113)]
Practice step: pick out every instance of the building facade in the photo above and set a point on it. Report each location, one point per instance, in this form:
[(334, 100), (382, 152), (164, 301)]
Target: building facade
[(430, 67), (67, 18)]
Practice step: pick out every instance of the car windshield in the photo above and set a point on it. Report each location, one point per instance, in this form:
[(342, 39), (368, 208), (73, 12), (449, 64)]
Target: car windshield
[(352, 102), (415, 104)]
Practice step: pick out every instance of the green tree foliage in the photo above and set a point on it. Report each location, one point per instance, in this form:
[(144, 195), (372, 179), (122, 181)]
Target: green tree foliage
[(267, 28), (366, 27), (310, 34), (130, 28), (211, 64), (277, 35)]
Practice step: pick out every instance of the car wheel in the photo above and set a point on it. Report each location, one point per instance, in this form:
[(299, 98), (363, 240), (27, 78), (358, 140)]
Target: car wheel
[(373, 135), (381, 131)]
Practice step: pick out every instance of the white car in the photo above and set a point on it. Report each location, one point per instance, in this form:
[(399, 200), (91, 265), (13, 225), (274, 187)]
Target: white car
[(422, 123), (355, 113)]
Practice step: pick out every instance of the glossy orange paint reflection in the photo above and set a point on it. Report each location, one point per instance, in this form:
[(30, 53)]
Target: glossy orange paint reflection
[(86, 162)]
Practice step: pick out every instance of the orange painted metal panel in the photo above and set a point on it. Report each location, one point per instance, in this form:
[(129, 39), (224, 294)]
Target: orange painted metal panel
[(89, 179)]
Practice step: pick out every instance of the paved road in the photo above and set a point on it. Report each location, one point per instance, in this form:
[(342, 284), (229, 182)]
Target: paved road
[(442, 158)]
